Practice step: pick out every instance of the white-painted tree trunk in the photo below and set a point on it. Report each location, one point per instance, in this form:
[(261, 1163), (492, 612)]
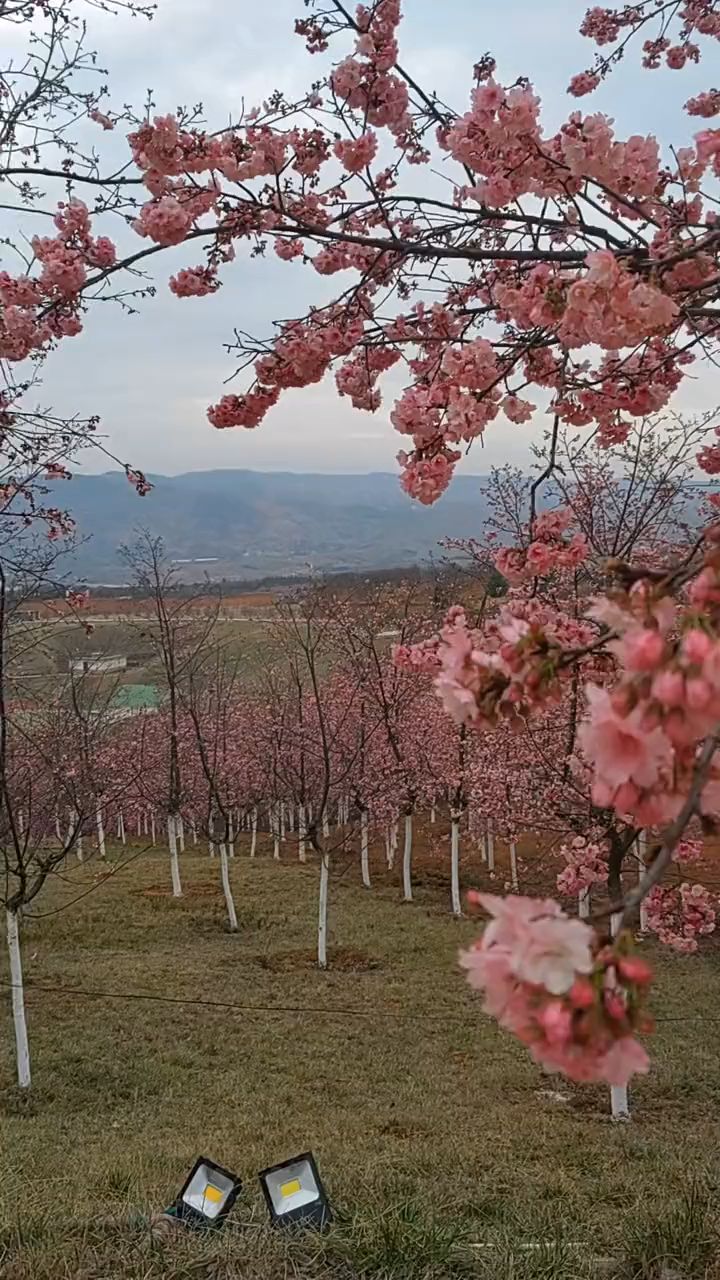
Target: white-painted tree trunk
[(22, 1049), (21, 826), (323, 911), (231, 836), (121, 825), (514, 881), (407, 859), (152, 826), (484, 843), (145, 823), (276, 834), (365, 849), (432, 811), (642, 853), (253, 833), (619, 1100), (174, 864), (326, 823), (584, 903), (291, 819), (180, 828), (58, 830), (490, 847), (225, 877), (455, 864), (79, 847), (100, 832), (193, 831), (392, 851), (301, 833), (281, 810)]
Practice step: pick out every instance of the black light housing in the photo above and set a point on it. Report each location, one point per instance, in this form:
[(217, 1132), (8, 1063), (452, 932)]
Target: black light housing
[(294, 1193), (208, 1195)]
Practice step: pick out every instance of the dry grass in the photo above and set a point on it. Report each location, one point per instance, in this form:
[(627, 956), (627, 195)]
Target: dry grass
[(430, 1126)]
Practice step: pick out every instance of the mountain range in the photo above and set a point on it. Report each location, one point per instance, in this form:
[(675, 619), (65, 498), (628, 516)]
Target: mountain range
[(248, 524)]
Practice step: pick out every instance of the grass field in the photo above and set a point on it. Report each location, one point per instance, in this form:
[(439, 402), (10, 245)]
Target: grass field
[(432, 1129)]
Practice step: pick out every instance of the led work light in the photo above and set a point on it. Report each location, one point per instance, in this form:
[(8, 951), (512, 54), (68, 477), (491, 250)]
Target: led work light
[(294, 1193), (208, 1195)]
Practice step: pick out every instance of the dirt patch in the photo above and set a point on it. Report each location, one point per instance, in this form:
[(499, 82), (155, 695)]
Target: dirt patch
[(341, 959)]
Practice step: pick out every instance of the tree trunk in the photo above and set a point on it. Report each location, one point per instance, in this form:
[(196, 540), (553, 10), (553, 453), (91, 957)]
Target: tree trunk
[(323, 911), (326, 823), (231, 836), (180, 828), (193, 831), (22, 1050), (432, 811), (584, 903), (225, 877), (514, 868), (365, 849), (152, 826), (145, 823), (281, 819), (275, 826), (619, 1101), (490, 847), (253, 836), (301, 833), (407, 859), (58, 832), (642, 853), (455, 864), (100, 832), (121, 825), (174, 864), (484, 842)]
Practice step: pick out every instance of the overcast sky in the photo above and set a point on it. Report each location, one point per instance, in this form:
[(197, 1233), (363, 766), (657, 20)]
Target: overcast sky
[(151, 376)]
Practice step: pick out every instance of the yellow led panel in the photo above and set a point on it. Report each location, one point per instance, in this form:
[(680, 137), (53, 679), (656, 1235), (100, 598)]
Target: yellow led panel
[(212, 1194), (290, 1188)]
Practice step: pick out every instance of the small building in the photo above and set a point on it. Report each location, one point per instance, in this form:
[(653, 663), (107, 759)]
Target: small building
[(97, 664)]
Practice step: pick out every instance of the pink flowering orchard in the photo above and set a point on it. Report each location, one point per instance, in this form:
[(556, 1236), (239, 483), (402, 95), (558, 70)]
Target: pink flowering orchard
[(570, 278)]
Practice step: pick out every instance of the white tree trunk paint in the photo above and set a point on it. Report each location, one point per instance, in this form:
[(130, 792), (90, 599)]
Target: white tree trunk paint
[(58, 831), (291, 818), (100, 832), (225, 877), (145, 823), (514, 868), (432, 811), (174, 864), (301, 833), (365, 849), (180, 828), (281, 808), (455, 864), (326, 823), (231, 836), (484, 843), (323, 911), (193, 831), (152, 826), (393, 844), (121, 825), (490, 847), (584, 903), (407, 859), (21, 825), (275, 823), (253, 836), (79, 847), (22, 1049), (642, 853), (619, 1101)]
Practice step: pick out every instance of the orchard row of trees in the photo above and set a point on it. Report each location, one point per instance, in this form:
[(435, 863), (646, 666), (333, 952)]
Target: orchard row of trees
[(567, 277)]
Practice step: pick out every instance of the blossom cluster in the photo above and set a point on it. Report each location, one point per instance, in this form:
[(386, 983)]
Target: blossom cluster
[(586, 864), (575, 1002)]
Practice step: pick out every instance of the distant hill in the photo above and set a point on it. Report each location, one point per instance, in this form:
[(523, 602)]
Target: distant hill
[(247, 524)]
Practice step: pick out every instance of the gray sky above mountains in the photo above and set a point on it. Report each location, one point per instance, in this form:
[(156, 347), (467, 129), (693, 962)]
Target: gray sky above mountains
[(152, 375)]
